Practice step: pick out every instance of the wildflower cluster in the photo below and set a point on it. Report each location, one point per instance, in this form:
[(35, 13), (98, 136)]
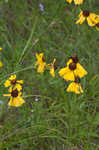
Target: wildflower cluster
[(92, 18), (73, 72), (15, 91)]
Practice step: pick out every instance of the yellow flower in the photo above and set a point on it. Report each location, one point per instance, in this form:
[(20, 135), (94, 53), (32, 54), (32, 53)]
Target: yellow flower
[(69, 1), (40, 63), (51, 67), (1, 64), (73, 69), (90, 17), (0, 48), (15, 98), (13, 83), (77, 2), (75, 86)]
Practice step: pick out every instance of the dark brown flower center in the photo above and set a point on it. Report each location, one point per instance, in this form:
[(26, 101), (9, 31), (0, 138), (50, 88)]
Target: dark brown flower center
[(77, 79), (13, 81), (14, 93), (55, 67), (97, 25), (74, 59), (86, 13), (43, 59), (72, 66)]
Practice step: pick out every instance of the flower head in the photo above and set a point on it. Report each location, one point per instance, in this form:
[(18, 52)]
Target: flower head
[(90, 17), (0, 48), (52, 68), (1, 64), (40, 63), (77, 2), (15, 98), (75, 86), (12, 83), (73, 69)]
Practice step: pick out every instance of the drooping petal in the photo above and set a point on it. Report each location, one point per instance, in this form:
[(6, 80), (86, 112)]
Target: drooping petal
[(10, 103), (80, 20), (13, 77), (7, 83), (6, 94), (67, 74), (80, 71), (75, 87), (62, 72), (1, 64), (39, 57), (10, 89), (18, 101), (69, 1), (0, 48), (18, 87), (70, 61), (90, 22), (20, 81), (78, 2), (51, 68), (41, 67), (19, 94), (52, 72)]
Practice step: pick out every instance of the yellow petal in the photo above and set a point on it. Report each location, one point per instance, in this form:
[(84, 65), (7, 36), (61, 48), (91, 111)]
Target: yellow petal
[(90, 22), (0, 48), (52, 72), (80, 71), (6, 94), (67, 74), (69, 1), (41, 67), (62, 72), (70, 61), (78, 2), (13, 77), (20, 81), (18, 101), (7, 83), (10, 102), (18, 87), (75, 87), (19, 94), (1, 64), (54, 61), (39, 57), (80, 20), (10, 89)]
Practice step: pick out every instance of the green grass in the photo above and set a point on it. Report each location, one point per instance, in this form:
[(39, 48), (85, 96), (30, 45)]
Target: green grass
[(59, 120)]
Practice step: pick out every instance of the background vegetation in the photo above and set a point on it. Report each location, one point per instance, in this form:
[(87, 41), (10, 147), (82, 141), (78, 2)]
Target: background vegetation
[(51, 118)]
